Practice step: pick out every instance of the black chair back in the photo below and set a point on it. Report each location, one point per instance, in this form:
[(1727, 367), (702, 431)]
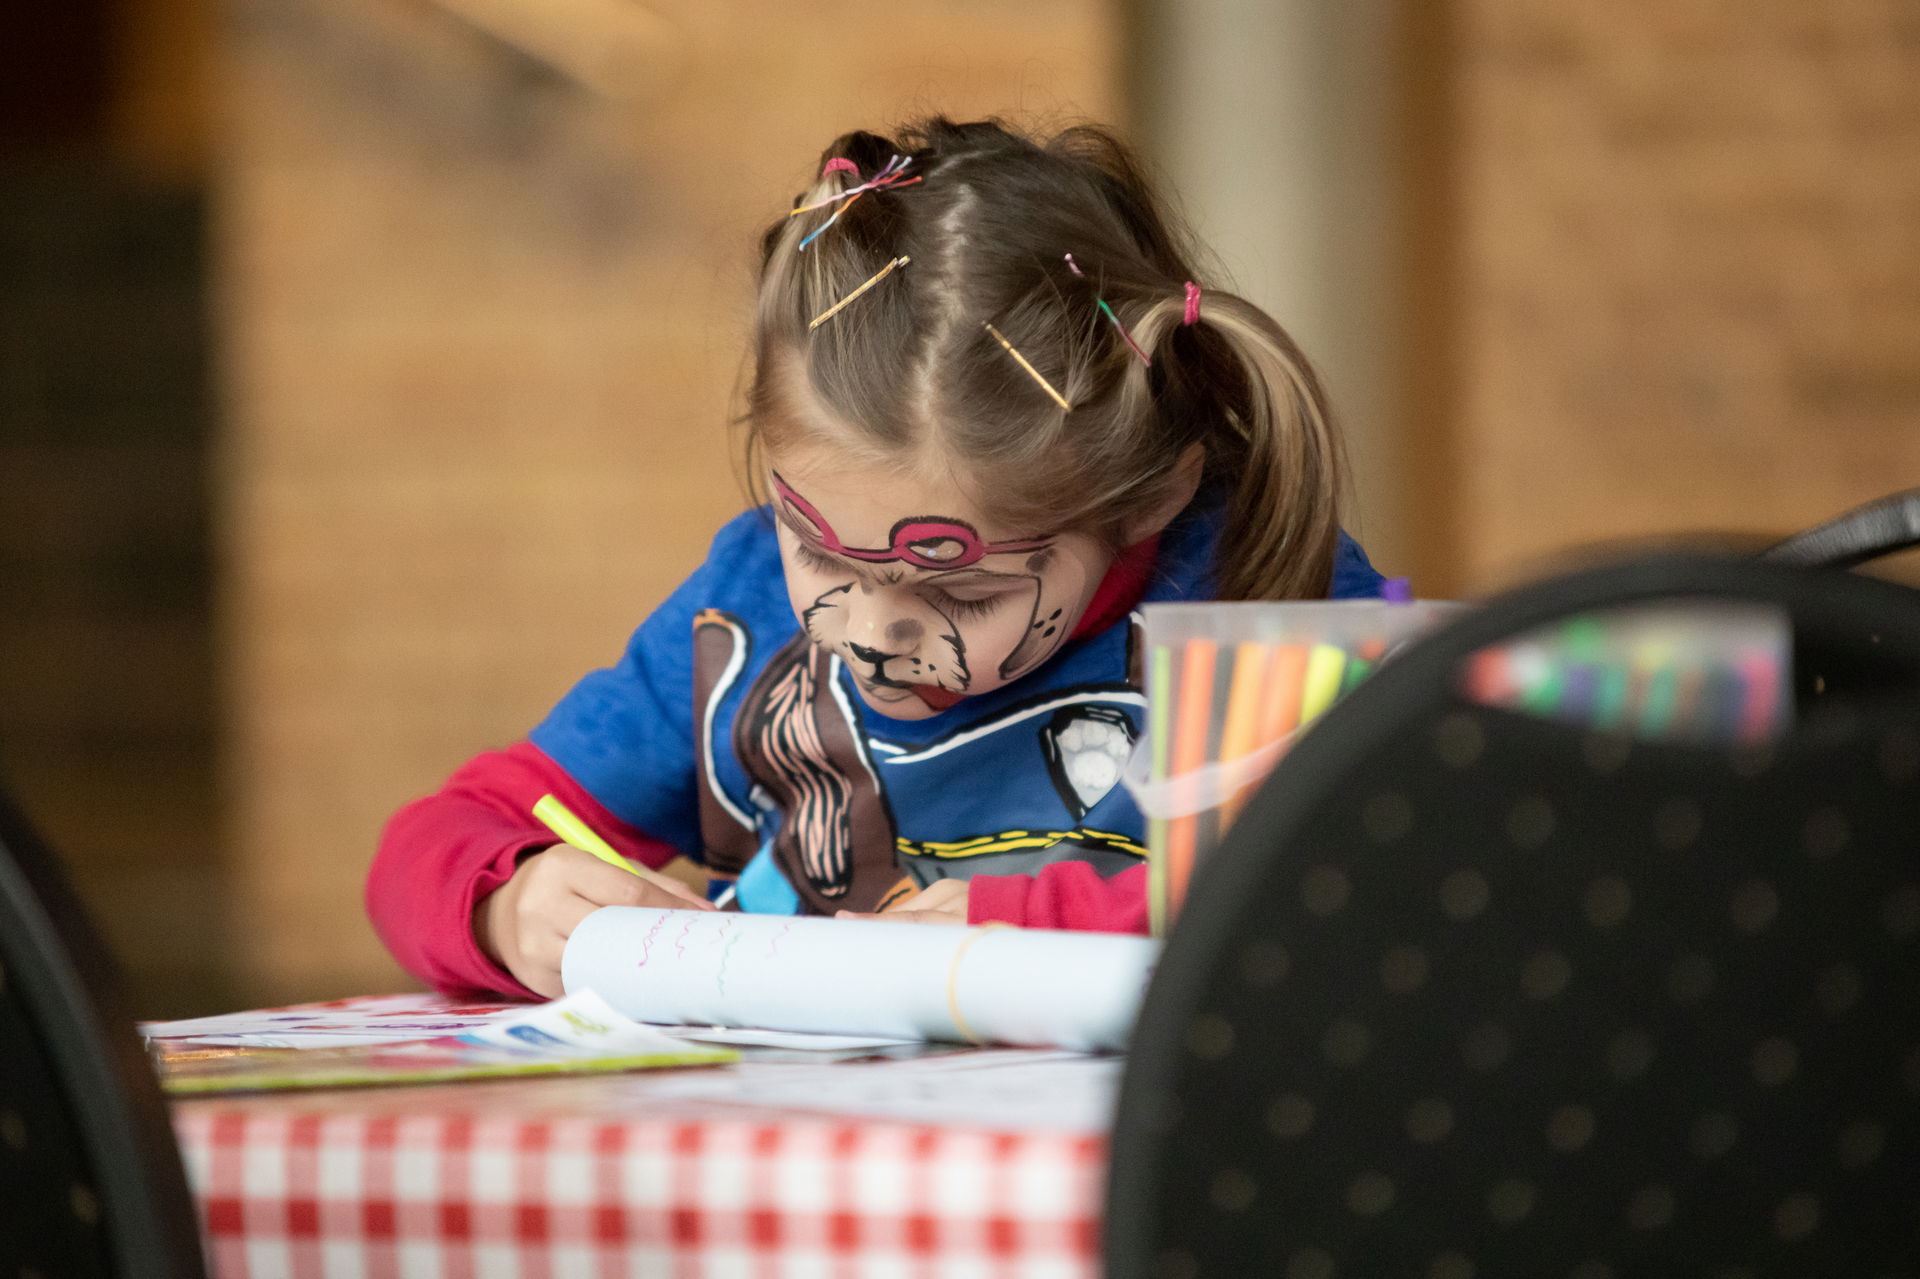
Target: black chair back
[(90, 1176), (1468, 993)]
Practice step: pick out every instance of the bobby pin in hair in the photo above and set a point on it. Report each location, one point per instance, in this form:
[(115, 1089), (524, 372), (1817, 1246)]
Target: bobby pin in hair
[(1144, 357), (872, 280), (1193, 304), (887, 179), (1032, 372)]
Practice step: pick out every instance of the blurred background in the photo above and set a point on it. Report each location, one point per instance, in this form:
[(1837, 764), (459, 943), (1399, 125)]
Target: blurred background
[(365, 365)]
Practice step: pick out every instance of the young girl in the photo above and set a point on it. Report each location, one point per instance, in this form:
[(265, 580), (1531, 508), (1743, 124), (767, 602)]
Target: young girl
[(994, 413)]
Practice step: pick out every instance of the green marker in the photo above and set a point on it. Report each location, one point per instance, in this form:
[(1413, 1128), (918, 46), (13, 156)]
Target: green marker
[(1159, 711)]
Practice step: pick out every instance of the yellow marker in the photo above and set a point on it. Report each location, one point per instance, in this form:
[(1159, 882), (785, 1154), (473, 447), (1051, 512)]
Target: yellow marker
[(560, 820), (1324, 666)]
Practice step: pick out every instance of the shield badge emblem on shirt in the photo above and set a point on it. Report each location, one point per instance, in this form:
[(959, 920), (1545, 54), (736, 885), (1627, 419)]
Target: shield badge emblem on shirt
[(1085, 749)]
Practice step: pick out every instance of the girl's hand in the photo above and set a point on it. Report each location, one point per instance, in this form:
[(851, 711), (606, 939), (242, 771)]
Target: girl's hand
[(942, 902), (524, 924)]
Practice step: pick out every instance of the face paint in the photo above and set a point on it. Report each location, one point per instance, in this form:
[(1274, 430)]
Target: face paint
[(923, 609), (924, 541)]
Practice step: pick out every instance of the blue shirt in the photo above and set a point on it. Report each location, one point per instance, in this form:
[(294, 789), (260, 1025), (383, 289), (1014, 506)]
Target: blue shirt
[(725, 732)]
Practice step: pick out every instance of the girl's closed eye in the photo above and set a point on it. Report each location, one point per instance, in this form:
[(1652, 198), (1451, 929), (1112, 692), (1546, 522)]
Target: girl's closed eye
[(818, 561), (965, 606)]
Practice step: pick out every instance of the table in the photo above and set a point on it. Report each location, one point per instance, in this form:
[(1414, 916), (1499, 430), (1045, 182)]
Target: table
[(986, 1163)]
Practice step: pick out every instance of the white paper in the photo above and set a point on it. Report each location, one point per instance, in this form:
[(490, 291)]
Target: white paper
[(1004, 1090), (1024, 986), (754, 1037)]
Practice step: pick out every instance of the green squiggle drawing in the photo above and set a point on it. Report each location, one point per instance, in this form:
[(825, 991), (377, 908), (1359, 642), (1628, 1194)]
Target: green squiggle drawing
[(726, 952)]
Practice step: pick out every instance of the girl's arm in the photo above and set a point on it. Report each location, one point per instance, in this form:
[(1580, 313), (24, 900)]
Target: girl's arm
[(441, 856), (1063, 895)]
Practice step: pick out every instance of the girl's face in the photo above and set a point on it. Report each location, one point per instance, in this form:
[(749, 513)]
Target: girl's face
[(924, 600)]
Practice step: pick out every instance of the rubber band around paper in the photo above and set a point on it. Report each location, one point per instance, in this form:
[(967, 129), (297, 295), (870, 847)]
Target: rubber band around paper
[(953, 979)]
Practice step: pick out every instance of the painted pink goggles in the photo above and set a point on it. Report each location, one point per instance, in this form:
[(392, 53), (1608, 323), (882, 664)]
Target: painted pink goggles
[(924, 543)]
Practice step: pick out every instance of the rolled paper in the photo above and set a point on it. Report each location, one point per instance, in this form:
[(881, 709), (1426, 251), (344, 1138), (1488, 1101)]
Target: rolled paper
[(1029, 986)]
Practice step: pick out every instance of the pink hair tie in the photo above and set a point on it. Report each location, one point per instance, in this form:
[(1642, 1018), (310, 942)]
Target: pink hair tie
[(1193, 303), (838, 163)]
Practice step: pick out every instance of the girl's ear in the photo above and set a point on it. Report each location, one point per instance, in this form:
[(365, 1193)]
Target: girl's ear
[(1186, 482)]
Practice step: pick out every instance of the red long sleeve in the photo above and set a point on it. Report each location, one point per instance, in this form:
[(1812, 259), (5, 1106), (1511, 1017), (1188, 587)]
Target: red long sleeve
[(440, 855), (1063, 895)]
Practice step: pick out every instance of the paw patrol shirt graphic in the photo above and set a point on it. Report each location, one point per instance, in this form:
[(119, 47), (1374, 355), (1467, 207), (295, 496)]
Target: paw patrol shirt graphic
[(730, 733)]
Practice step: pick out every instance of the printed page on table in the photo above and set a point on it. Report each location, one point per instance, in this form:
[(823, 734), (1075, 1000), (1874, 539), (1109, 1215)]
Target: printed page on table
[(574, 1035), (368, 1019), (398, 1019)]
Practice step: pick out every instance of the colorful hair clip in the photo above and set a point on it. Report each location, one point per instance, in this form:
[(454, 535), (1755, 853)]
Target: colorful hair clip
[(1193, 304), (1144, 357), (1032, 372), (872, 280), (887, 179)]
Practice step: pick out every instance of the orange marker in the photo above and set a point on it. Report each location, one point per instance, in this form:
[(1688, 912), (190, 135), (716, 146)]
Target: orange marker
[(1192, 713), (1286, 686), (1241, 734)]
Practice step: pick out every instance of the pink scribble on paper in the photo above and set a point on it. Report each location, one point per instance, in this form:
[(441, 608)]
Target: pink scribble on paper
[(646, 941), (680, 942), (773, 942)]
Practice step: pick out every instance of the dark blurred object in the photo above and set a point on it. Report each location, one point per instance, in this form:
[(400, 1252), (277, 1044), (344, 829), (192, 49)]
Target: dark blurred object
[(89, 1171), (1865, 533), (56, 72), (1471, 993), (107, 684)]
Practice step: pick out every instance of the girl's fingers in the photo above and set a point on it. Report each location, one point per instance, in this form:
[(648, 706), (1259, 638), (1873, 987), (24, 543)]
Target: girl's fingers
[(907, 916), (539, 966), (668, 884), (607, 885)]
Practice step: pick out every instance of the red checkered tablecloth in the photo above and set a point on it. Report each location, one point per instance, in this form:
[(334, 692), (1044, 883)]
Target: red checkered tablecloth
[(607, 1176)]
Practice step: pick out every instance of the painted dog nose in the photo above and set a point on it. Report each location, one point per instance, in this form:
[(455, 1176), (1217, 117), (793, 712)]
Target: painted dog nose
[(873, 655)]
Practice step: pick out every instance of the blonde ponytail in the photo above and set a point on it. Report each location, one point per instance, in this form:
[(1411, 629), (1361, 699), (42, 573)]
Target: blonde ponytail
[(1255, 405)]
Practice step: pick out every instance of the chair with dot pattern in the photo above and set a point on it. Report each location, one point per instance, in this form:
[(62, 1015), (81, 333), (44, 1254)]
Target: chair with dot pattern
[(1468, 994), (90, 1178)]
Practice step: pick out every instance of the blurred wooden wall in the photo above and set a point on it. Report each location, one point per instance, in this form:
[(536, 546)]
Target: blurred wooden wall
[(483, 295), (1671, 279), (483, 311)]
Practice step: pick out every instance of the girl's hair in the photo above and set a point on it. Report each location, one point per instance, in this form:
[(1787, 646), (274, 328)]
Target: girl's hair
[(907, 373)]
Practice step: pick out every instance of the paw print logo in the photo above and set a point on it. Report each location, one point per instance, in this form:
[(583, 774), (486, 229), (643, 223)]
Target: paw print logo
[(1085, 749)]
